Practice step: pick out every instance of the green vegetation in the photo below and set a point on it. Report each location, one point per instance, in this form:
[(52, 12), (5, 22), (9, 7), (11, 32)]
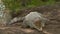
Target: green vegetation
[(18, 4)]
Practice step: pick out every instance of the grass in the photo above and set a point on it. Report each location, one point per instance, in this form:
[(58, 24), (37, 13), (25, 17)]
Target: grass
[(16, 4)]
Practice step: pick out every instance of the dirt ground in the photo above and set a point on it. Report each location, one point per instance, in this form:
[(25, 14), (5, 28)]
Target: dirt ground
[(50, 12)]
